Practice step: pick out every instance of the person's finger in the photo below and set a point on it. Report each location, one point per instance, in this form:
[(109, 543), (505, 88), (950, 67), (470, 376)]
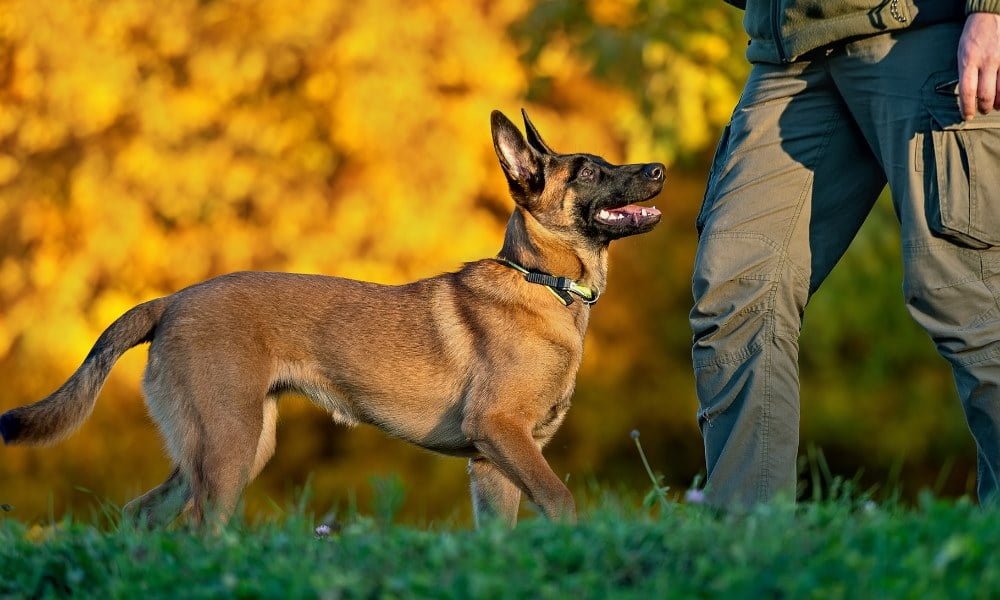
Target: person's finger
[(987, 92), (968, 81)]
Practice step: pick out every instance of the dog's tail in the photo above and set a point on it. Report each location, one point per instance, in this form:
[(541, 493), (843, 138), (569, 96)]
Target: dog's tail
[(64, 411)]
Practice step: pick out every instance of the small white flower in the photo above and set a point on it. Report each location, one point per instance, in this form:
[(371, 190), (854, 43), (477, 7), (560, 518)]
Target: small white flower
[(323, 531)]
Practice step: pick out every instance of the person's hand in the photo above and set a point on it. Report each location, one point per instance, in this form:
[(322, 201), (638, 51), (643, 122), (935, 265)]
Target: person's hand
[(978, 64)]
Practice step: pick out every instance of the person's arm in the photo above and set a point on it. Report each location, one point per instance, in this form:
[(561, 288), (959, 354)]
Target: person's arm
[(979, 58)]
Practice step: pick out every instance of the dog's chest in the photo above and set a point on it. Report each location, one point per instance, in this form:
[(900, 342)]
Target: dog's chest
[(565, 384)]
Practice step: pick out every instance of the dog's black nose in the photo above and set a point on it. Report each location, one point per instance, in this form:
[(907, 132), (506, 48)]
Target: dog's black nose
[(654, 171)]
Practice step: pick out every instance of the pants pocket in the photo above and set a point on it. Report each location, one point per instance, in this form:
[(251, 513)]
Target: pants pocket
[(963, 180)]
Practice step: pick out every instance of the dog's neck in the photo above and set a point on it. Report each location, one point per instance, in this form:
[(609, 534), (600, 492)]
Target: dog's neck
[(530, 245)]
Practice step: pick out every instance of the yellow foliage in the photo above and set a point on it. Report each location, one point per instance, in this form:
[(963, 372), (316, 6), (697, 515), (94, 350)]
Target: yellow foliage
[(184, 140), (617, 13), (147, 146)]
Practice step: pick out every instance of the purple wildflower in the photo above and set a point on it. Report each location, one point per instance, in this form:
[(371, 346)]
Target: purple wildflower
[(694, 496)]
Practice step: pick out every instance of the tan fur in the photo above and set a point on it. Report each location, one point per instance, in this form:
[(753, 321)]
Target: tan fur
[(478, 363)]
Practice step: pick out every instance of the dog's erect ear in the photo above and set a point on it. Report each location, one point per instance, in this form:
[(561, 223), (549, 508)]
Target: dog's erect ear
[(520, 162), (534, 139)]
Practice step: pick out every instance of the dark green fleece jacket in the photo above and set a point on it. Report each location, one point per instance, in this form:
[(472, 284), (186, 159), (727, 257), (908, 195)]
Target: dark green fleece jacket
[(784, 30)]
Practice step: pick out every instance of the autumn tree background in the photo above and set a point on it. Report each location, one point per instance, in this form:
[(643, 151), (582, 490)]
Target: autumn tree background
[(146, 146)]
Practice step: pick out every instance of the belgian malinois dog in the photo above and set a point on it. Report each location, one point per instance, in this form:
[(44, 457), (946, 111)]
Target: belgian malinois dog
[(480, 363)]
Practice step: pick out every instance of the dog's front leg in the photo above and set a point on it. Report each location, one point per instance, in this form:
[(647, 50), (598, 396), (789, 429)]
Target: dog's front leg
[(509, 446), (493, 495)]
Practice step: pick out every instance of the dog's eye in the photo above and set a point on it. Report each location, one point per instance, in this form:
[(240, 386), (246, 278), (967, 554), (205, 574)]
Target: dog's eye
[(586, 173)]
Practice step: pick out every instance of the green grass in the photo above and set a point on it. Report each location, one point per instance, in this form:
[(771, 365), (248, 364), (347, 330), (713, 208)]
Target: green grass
[(827, 549)]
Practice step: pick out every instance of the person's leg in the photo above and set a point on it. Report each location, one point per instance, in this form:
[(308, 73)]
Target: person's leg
[(791, 184), (900, 90)]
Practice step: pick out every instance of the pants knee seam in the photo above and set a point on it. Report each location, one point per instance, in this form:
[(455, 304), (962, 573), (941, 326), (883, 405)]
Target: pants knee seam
[(979, 358), (745, 235), (732, 358)]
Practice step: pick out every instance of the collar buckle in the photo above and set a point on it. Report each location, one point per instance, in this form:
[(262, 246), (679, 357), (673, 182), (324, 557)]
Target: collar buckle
[(561, 287)]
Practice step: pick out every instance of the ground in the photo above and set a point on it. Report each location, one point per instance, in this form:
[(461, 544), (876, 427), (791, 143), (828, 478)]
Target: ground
[(843, 548)]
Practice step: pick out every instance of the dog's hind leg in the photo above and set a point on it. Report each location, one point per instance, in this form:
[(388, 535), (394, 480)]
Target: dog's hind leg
[(237, 439), (161, 505), (493, 495)]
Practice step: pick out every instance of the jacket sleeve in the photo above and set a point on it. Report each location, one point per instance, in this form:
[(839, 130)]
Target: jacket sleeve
[(971, 6), (743, 3)]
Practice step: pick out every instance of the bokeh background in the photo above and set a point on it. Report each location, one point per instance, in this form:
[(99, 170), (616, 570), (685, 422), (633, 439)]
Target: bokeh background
[(146, 146)]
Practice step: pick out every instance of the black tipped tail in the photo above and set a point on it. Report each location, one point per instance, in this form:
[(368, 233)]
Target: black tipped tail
[(10, 427), (59, 415)]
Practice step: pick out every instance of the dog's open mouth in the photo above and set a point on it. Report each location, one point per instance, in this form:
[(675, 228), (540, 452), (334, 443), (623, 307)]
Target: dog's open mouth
[(630, 214)]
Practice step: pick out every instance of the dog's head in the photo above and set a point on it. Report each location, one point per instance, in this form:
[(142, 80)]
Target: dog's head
[(579, 197)]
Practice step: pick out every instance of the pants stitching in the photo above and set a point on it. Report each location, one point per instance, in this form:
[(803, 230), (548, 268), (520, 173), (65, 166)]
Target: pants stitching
[(765, 426), (985, 279), (744, 235), (734, 358), (990, 354), (771, 326)]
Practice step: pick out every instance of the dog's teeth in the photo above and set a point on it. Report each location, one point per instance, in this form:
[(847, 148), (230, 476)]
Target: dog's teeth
[(604, 214), (643, 213)]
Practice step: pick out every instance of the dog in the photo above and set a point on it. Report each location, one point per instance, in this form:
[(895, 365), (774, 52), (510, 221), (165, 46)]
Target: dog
[(480, 363)]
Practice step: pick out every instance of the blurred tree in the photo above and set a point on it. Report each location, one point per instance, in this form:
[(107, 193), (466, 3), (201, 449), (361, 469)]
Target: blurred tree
[(147, 146), (681, 61)]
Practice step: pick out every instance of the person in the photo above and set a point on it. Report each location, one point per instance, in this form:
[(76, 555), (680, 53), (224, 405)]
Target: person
[(842, 98)]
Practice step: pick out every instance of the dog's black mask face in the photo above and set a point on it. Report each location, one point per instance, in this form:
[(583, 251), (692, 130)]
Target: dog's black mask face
[(577, 195)]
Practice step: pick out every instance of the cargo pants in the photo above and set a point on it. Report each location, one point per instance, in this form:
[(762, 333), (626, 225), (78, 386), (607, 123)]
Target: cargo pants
[(809, 149)]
